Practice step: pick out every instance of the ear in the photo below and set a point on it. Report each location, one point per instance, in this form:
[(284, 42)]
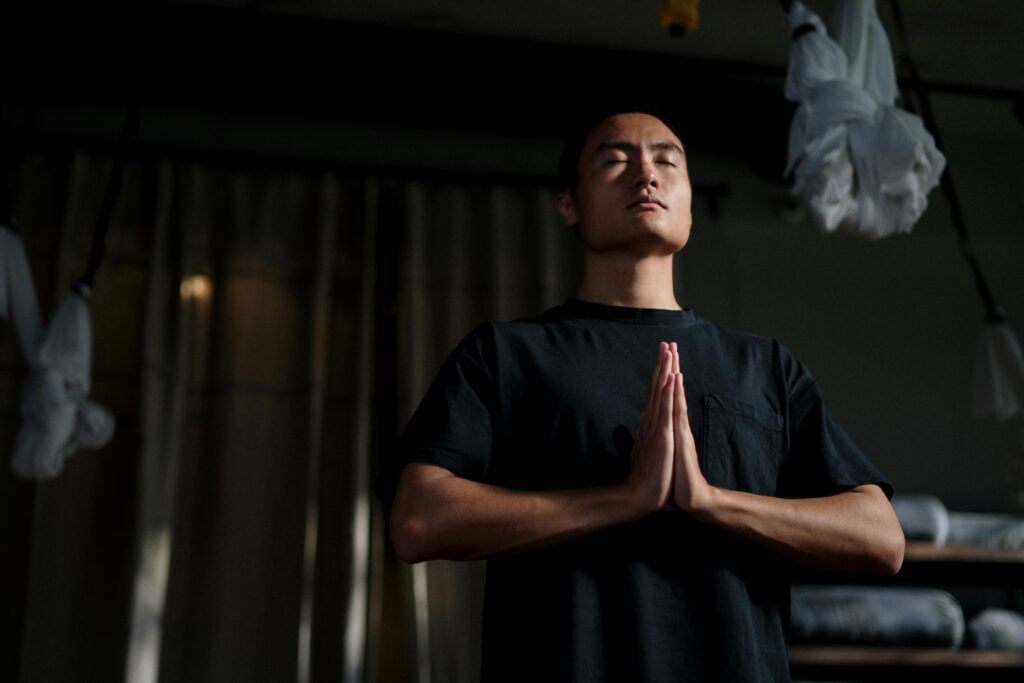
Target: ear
[(566, 208)]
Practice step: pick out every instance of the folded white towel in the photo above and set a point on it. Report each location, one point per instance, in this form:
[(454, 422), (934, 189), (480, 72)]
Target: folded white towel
[(861, 615)]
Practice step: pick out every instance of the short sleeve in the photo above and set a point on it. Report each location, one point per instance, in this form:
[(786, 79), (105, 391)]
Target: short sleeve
[(821, 458), (452, 427)]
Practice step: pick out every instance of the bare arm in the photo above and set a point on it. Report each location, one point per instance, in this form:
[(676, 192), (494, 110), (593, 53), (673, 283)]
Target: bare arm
[(855, 530), (437, 514)]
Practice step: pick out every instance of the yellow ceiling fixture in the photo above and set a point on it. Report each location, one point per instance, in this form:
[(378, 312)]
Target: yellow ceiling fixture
[(679, 16)]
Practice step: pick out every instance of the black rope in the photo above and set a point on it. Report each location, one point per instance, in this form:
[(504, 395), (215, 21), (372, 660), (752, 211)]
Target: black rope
[(7, 173), (129, 131), (994, 313), (801, 29)]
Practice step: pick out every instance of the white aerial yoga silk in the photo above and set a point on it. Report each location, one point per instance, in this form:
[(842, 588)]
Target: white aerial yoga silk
[(861, 165), (999, 374), (57, 417)]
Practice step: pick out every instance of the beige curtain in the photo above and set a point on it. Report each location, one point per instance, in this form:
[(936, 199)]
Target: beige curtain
[(230, 333), (229, 532), (252, 390), (471, 254)]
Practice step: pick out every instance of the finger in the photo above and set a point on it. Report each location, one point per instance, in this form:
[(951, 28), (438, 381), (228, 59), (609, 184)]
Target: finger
[(652, 388), (666, 371), (664, 388), (682, 424), (666, 411), (679, 404), (649, 415), (675, 358), (678, 415), (682, 414)]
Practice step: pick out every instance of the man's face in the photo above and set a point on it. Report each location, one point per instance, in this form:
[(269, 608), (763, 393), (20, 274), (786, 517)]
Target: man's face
[(633, 193)]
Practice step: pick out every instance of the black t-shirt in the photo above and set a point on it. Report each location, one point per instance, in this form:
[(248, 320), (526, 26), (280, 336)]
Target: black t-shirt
[(553, 403)]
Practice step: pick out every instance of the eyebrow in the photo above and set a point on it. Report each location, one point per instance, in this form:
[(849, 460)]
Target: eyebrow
[(624, 146)]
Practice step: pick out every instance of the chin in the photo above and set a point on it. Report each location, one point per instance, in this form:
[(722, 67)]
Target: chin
[(682, 241), (677, 236), (671, 242), (648, 240)]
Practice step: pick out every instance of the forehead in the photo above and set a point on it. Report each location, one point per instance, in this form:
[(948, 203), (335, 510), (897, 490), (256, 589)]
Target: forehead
[(638, 129)]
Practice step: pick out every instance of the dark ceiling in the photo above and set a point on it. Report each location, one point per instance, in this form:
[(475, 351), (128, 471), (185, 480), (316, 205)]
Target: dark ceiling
[(520, 68)]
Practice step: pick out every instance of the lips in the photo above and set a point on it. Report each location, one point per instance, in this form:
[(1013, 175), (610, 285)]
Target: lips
[(646, 202)]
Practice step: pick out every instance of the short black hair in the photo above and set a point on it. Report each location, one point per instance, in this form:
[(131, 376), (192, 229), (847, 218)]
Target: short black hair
[(576, 137)]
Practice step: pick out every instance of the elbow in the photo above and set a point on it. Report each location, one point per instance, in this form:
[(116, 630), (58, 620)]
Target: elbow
[(409, 537), (895, 556), (887, 556), (883, 536), (418, 522)]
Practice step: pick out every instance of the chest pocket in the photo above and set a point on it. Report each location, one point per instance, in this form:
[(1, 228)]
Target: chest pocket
[(740, 445)]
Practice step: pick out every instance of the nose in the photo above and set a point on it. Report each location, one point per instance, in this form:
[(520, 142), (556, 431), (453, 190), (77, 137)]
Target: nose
[(646, 177)]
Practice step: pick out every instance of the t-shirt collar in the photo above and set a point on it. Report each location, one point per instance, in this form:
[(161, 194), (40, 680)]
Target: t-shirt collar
[(578, 308)]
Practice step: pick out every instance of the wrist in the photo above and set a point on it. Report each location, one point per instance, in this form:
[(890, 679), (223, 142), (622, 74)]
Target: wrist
[(637, 499), (703, 507)]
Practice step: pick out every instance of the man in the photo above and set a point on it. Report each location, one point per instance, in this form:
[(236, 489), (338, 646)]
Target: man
[(638, 525)]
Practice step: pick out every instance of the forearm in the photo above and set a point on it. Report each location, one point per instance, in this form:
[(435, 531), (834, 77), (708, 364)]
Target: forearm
[(437, 515), (856, 530)]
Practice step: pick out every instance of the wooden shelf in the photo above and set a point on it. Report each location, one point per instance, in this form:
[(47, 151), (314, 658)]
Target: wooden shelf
[(902, 663), (928, 564), (922, 551), (923, 564), (906, 656)]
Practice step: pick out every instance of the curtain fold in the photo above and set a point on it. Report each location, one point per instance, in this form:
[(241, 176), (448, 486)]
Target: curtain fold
[(470, 253), (77, 561), (229, 531)]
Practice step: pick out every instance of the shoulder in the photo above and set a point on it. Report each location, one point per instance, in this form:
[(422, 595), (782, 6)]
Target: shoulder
[(739, 337), (520, 330), (747, 342), (763, 351), (489, 340)]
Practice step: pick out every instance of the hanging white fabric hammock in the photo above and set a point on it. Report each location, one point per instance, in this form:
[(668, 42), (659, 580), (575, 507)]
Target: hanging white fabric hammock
[(57, 418), (18, 302), (861, 165), (999, 374)]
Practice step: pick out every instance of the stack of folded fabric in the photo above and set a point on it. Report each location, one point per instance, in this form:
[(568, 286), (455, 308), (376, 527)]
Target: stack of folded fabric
[(993, 531), (861, 615), (924, 518), (996, 629), (914, 617)]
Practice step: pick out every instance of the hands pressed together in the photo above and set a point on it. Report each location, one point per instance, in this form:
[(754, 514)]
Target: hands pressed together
[(664, 464), (437, 514)]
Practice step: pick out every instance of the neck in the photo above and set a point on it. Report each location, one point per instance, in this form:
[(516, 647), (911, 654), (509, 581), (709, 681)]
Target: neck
[(623, 280)]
